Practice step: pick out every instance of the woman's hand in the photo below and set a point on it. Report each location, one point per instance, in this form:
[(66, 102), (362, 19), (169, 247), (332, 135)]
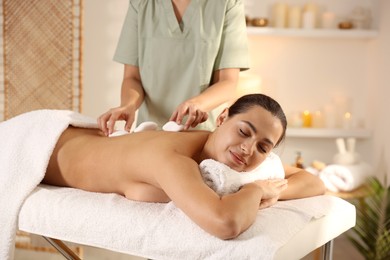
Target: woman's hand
[(271, 191), (268, 202), (107, 120), (193, 112)]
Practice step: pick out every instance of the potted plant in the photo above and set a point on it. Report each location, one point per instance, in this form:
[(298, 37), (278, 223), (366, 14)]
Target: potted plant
[(371, 235)]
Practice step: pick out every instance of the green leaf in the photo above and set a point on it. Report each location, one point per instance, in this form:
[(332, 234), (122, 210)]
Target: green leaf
[(371, 234)]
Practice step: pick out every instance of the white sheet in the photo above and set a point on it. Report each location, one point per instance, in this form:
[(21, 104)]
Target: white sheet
[(160, 231)]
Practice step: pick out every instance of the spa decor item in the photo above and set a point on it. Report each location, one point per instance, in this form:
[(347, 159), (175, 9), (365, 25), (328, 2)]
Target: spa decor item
[(348, 171), (42, 54)]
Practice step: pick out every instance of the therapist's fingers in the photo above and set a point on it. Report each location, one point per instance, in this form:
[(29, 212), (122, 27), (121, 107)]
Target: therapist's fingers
[(107, 123), (180, 112), (195, 117), (201, 117), (111, 124), (129, 123), (102, 122), (192, 117), (191, 111), (174, 117)]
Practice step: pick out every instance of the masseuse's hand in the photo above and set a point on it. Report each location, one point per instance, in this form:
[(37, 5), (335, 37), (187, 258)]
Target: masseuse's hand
[(107, 120), (194, 114), (271, 191)]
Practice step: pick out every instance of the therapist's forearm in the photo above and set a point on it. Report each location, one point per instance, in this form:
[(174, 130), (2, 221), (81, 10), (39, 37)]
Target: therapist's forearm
[(222, 89), (132, 93), (216, 95)]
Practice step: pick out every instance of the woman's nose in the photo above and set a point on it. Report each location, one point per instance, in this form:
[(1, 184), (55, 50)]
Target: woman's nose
[(247, 147)]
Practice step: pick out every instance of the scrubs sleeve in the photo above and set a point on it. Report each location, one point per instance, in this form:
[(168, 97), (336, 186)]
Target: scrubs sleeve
[(233, 50), (127, 48)]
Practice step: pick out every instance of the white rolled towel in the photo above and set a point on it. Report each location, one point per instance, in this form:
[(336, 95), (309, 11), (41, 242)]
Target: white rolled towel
[(224, 180), (345, 177)]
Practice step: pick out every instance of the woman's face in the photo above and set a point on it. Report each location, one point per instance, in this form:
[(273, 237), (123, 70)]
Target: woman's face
[(244, 140)]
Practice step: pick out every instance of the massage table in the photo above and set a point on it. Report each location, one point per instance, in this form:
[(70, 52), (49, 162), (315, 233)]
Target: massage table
[(107, 221)]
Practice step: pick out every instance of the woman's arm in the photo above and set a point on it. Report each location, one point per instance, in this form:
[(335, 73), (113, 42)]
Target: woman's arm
[(301, 184), (225, 217)]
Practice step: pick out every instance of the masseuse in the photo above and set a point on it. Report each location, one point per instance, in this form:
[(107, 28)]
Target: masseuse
[(159, 166), (181, 60)]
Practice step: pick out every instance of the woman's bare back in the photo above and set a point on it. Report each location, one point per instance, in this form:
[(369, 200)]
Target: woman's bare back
[(127, 165)]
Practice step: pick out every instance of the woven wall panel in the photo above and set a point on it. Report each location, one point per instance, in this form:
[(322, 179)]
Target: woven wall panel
[(41, 69)]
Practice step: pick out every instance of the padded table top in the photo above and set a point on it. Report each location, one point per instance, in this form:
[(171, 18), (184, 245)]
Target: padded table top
[(287, 230)]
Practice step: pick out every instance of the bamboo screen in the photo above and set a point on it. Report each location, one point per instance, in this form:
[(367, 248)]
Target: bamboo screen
[(42, 56)]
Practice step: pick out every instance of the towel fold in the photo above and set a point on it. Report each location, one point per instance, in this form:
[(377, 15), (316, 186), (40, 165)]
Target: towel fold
[(345, 177), (224, 180)]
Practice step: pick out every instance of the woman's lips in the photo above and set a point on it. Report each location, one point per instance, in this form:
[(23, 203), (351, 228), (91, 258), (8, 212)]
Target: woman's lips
[(237, 158)]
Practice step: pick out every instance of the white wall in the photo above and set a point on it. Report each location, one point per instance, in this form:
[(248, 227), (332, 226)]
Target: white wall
[(102, 76), (300, 73), (378, 93)]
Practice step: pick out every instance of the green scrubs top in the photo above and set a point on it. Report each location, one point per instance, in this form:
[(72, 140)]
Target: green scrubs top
[(177, 60)]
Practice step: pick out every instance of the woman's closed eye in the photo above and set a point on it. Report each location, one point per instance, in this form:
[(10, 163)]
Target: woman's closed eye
[(261, 148), (244, 133)]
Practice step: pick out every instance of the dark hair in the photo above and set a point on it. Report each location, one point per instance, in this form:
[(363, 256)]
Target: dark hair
[(246, 102)]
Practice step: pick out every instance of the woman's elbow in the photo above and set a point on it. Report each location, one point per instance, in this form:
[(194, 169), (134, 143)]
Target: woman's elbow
[(318, 186), (227, 228), (321, 187), (229, 231)]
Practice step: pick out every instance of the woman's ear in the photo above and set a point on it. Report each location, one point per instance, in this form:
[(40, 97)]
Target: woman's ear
[(223, 116)]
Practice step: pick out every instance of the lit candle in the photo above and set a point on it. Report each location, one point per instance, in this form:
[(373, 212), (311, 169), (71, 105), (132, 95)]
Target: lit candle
[(306, 119), (347, 120), (294, 17), (280, 15)]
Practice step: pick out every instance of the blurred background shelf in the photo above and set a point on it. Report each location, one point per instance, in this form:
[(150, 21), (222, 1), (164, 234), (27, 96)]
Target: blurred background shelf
[(327, 133), (313, 33)]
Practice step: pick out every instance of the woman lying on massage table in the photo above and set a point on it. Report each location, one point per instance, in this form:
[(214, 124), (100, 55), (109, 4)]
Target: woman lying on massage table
[(158, 166)]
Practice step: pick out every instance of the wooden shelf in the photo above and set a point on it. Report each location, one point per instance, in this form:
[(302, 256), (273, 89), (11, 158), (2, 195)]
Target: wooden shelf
[(327, 133), (313, 33)]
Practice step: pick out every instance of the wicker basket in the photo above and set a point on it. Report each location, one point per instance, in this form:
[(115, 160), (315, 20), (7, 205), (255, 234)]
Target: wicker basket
[(42, 55)]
